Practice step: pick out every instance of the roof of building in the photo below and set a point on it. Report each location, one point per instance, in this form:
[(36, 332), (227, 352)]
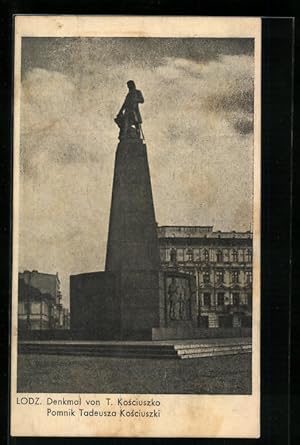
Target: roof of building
[(45, 282), (199, 232)]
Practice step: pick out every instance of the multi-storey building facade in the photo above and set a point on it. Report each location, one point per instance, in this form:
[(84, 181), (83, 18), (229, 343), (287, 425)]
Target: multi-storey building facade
[(39, 305), (221, 263)]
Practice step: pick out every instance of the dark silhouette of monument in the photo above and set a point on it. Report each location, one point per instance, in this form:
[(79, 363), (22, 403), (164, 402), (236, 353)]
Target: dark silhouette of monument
[(129, 118), (132, 298), (132, 248)]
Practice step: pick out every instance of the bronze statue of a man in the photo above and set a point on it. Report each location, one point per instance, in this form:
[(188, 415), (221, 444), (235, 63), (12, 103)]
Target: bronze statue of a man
[(129, 116)]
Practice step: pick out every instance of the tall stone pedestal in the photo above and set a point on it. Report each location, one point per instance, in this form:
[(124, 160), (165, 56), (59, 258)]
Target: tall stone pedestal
[(133, 299), (132, 239), (132, 248)]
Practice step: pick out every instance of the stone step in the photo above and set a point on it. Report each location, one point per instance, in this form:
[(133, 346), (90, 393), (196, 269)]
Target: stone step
[(212, 354), (154, 351), (107, 351), (101, 346), (214, 350), (209, 345), (97, 350), (212, 347), (107, 354)]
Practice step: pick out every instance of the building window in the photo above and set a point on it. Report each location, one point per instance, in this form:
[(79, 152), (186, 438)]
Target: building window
[(45, 308), (21, 307), (225, 321), (173, 256), (234, 256), (226, 256), (180, 254), (219, 256), (248, 276), (249, 256), (163, 254), (235, 299), (249, 300), (35, 307), (206, 299), (206, 255), (206, 276), (203, 321), (190, 255), (220, 276), (220, 298), (235, 276), (197, 256)]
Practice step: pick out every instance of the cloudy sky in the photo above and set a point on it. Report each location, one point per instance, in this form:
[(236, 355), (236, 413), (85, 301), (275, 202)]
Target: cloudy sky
[(198, 125)]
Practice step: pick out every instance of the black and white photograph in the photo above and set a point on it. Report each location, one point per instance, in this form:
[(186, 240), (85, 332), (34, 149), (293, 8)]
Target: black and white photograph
[(137, 220)]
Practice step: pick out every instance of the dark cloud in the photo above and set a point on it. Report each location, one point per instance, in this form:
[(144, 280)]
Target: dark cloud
[(243, 126), (237, 107), (239, 100), (64, 54), (73, 154)]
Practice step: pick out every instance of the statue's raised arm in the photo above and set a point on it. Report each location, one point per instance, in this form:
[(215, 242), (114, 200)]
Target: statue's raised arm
[(129, 118)]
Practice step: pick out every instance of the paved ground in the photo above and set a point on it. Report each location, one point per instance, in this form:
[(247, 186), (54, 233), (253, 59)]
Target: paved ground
[(62, 374)]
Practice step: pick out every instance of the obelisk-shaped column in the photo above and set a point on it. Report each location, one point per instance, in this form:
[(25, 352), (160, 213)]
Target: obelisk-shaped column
[(132, 240)]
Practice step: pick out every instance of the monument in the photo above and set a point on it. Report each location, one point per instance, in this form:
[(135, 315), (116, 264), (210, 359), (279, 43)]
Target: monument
[(133, 298), (132, 248)]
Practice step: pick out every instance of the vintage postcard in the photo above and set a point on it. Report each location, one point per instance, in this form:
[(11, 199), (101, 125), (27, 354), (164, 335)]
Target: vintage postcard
[(136, 227)]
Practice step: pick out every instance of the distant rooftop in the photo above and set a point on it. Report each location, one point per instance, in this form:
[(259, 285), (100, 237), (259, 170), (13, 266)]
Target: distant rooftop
[(198, 232), (37, 273)]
